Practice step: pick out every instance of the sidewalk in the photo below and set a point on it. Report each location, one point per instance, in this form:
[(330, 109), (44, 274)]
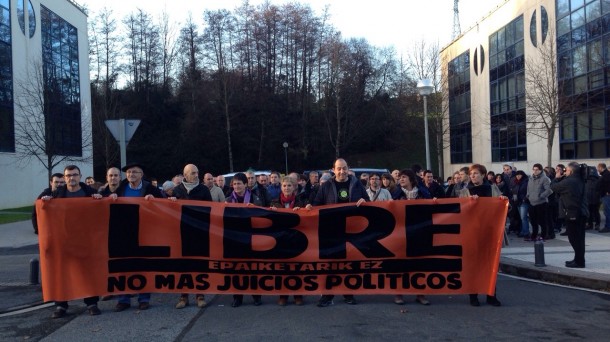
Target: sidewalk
[(517, 259)]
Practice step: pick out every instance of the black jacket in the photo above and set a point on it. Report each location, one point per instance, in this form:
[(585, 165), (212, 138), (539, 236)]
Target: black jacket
[(45, 192), (147, 189), (572, 200), (328, 192), (603, 185), (63, 190), (199, 193)]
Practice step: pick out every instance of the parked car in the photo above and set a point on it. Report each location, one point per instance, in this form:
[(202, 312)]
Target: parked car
[(357, 170), (229, 176)]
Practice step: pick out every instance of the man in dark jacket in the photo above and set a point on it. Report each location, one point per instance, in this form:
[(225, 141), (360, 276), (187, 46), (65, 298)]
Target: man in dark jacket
[(113, 180), (572, 199), (435, 190), (343, 188), (603, 187), (57, 180), (191, 189), (135, 186), (74, 188)]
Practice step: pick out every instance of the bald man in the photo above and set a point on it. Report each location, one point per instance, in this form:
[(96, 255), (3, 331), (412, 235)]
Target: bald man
[(191, 189), (216, 192)]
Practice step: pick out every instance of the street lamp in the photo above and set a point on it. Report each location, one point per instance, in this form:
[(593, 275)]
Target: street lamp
[(425, 88), (285, 144)]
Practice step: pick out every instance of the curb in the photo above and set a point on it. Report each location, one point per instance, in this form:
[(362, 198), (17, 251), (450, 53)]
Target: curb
[(558, 275)]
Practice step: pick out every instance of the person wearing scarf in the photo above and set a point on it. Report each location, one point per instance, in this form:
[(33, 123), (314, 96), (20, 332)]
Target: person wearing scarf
[(241, 194), (408, 184), (191, 189), (290, 200)]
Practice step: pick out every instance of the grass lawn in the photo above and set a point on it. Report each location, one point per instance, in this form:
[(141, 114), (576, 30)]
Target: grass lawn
[(16, 214)]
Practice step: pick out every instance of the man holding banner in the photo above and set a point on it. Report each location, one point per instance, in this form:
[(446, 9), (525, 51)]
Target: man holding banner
[(135, 186), (74, 188), (343, 188)]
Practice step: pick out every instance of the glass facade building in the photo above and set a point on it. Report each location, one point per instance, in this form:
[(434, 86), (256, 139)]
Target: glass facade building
[(583, 53), (62, 107), (507, 93), (460, 129), (7, 130)]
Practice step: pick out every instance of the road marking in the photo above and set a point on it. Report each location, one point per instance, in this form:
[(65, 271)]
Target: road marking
[(20, 311), (553, 284)]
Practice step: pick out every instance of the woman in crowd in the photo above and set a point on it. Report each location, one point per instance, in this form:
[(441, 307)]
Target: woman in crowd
[(241, 194), (518, 190), (388, 183), (289, 199), (501, 184), (491, 177), (409, 191), (478, 187)]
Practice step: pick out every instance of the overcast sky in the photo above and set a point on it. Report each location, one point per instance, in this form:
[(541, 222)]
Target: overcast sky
[(383, 23)]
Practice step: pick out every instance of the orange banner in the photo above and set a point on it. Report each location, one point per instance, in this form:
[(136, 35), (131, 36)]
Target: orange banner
[(94, 247)]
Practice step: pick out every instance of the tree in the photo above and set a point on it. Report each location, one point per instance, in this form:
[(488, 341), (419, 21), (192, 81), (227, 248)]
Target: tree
[(104, 45), (547, 101), (37, 132), (424, 63), (218, 41)]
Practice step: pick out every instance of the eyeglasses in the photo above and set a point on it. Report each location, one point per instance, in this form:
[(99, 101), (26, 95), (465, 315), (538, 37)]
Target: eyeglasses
[(113, 175), (70, 175)]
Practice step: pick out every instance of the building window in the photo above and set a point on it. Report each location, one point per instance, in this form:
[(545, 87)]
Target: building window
[(7, 124), (31, 17), (61, 84), (583, 72), (533, 32), (460, 132), (507, 93)]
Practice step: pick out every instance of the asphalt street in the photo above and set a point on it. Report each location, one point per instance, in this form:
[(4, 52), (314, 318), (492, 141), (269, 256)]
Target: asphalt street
[(530, 311)]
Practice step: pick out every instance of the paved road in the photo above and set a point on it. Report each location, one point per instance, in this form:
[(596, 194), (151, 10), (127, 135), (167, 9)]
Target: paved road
[(530, 311)]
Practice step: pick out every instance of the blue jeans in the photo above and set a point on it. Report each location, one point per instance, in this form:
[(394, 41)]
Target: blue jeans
[(142, 298), (606, 203), (525, 223)]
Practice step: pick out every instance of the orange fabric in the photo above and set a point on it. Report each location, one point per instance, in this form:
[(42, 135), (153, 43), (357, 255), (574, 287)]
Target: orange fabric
[(76, 247)]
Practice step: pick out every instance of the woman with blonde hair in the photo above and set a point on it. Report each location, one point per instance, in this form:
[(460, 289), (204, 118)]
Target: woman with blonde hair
[(289, 199)]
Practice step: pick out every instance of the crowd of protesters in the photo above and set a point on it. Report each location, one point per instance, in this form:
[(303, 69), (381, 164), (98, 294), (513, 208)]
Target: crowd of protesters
[(541, 203)]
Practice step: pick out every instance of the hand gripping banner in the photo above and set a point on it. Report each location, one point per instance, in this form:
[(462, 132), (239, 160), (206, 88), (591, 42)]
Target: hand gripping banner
[(94, 247)]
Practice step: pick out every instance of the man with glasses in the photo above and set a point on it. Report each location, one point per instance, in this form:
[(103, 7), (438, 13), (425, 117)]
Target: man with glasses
[(135, 186), (375, 191), (74, 188), (538, 192)]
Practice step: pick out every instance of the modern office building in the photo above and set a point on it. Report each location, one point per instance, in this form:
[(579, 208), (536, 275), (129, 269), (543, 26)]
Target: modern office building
[(488, 71), (44, 94)]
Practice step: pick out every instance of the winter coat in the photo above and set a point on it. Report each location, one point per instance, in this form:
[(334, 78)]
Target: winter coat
[(591, 189), (328, 192), (518, 188), (538, 189)]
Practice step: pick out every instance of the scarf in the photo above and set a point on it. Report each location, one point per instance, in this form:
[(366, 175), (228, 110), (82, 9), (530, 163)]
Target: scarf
[(190, 186), (287, 200), (235, 197), (411, 194)]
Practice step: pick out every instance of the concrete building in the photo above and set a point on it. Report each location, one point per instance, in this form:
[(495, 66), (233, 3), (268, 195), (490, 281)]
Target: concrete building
[(489, 69), (45, 100)]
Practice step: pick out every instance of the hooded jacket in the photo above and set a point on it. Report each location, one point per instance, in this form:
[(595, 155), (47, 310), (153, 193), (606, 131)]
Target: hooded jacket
[(539, 189)]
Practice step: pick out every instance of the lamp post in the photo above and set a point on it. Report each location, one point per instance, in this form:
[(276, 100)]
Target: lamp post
[(285, 144), (425, 88)]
